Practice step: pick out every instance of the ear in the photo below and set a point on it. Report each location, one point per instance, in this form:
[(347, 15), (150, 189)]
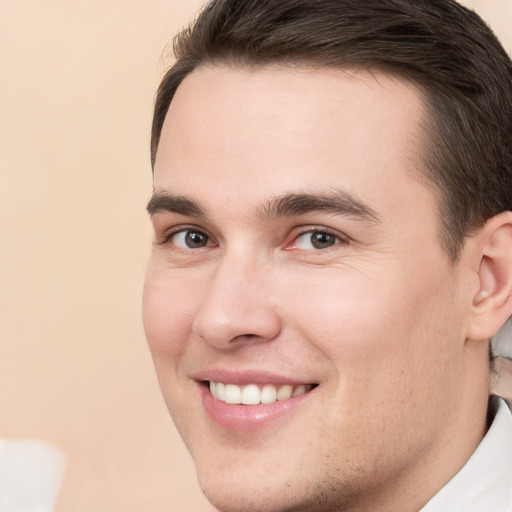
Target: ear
[(492, 304)]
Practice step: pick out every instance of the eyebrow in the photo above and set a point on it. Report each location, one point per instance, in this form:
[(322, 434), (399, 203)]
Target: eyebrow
[(336, 202), (165, 202)]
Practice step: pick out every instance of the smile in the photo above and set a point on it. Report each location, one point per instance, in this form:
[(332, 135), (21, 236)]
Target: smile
[(253, 394), (252, 400)]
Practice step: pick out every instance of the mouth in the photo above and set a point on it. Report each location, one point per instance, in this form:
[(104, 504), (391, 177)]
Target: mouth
[(249, 400), (256, 394)]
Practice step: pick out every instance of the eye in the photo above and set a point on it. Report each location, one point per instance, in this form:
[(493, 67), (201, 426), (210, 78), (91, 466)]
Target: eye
[(316, 240), (190, 239)]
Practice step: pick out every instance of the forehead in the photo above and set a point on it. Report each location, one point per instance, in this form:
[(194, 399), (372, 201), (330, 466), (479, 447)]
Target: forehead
[(290, 127)]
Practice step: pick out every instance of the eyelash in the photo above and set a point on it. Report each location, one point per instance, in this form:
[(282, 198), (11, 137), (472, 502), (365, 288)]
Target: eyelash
[(339, 238), (168, 235)]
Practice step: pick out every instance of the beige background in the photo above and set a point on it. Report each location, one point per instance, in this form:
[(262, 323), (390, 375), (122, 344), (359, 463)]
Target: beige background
[(77, 80)]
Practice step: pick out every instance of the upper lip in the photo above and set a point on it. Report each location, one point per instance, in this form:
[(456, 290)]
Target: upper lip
[(248, 377)]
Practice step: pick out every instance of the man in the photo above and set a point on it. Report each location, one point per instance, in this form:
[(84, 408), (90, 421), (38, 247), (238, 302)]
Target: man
[(333, 251)]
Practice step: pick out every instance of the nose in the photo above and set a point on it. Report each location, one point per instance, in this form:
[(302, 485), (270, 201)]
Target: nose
[(237, 305)]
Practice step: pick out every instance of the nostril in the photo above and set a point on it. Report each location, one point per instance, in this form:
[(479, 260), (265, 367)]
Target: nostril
[(242, 337)]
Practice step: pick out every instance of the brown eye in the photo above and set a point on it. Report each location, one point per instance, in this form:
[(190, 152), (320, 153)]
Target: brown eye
[(190, 239), (316, 240), (322, 240)]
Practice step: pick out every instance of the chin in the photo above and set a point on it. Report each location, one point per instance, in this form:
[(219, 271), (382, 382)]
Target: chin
[(263, 490), (232, 500)]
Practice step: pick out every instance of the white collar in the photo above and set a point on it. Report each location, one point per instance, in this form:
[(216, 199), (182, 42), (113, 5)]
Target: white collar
[(484, 484)]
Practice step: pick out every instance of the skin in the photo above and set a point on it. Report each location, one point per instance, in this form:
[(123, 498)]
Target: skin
[(380, 319)]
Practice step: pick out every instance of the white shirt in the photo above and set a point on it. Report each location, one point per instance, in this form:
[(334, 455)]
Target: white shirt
[(484, 484), (30, 475)]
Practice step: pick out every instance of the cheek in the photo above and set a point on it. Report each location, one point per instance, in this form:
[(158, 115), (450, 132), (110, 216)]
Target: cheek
[(362, 319), (386, 344), (168, 313), (341, 309)]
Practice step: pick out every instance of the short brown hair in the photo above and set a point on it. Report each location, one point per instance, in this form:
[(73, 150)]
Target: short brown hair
[(446, 50)]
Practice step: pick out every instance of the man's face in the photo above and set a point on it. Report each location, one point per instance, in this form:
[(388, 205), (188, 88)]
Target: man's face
[(296, 245)]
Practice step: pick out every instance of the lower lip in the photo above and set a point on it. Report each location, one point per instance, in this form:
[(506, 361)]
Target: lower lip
[(246, 418)]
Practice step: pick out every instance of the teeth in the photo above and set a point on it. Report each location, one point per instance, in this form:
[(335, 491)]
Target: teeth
[(233, 394), (285, 392), (268, 394), (253, 394), (213, 389), (299, 390), (221, 391)]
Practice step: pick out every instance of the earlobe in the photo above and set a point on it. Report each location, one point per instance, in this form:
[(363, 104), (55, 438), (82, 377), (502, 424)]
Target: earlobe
[(492, 304)]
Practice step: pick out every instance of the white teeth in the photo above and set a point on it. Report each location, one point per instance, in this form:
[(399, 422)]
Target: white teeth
[(299, 390), (233, 394), (213, 389), (285, 392), (252, 394), (268, 394), (221, 391)]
